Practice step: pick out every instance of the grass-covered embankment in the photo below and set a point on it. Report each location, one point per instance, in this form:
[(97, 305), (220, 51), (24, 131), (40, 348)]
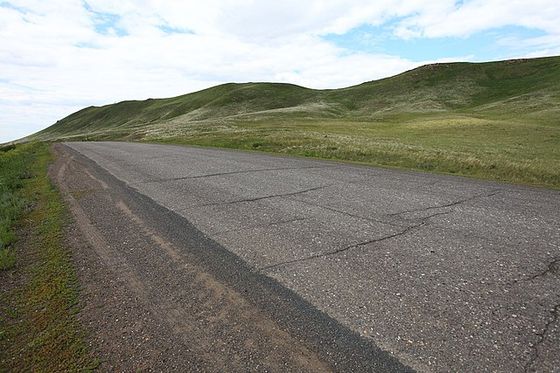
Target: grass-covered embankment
[(39, 330)]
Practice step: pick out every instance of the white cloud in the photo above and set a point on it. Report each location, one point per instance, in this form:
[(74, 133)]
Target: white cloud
[(444, 19), (60, 55)]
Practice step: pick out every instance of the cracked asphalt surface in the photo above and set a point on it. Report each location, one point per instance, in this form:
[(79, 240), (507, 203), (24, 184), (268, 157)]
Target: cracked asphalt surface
[(444, 273)]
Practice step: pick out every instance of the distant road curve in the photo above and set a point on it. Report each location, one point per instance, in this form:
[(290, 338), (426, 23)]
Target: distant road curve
[(444, 273)]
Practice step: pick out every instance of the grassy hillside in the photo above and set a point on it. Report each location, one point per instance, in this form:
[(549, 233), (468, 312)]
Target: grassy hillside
[(498, 120)]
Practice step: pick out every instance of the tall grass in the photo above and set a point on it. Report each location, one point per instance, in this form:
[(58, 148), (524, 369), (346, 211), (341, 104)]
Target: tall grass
[(14, 169)]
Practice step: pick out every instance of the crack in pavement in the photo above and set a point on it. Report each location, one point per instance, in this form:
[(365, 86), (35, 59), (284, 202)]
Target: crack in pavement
[(541, 337), (350, 214), (394, 223), (279, 222), (338, 251), (433, 215), (234, 173), (430, 216), (450, 204), (552, 267), (423, 222), (263, 197)]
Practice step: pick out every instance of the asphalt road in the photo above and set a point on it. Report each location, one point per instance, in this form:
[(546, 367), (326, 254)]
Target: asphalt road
[(444, 273)]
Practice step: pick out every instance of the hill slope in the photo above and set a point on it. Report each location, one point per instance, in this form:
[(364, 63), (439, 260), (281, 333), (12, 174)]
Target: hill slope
[(498, 119)]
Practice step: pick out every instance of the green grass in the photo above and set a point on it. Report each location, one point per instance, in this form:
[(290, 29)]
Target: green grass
[(497, 120), (13, 170), (497, 150), (39, 330)]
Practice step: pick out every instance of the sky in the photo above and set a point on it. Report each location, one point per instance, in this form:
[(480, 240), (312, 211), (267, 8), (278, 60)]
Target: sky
[(58, 56)]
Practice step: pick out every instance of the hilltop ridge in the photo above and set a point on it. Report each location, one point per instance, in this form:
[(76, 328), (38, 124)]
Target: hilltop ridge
[(449, 87)]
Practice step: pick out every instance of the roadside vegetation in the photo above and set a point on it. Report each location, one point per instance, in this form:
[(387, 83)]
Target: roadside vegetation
[(39, 330), (505, 150), (13, 171), (496, 120)]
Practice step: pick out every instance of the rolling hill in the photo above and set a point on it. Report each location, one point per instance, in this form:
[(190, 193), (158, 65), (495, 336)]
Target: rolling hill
[(498, 120)]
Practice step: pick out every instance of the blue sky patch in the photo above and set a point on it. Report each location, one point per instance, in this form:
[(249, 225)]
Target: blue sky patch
[(8, 5), (481, 46), (174, 30), (106, 23)]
